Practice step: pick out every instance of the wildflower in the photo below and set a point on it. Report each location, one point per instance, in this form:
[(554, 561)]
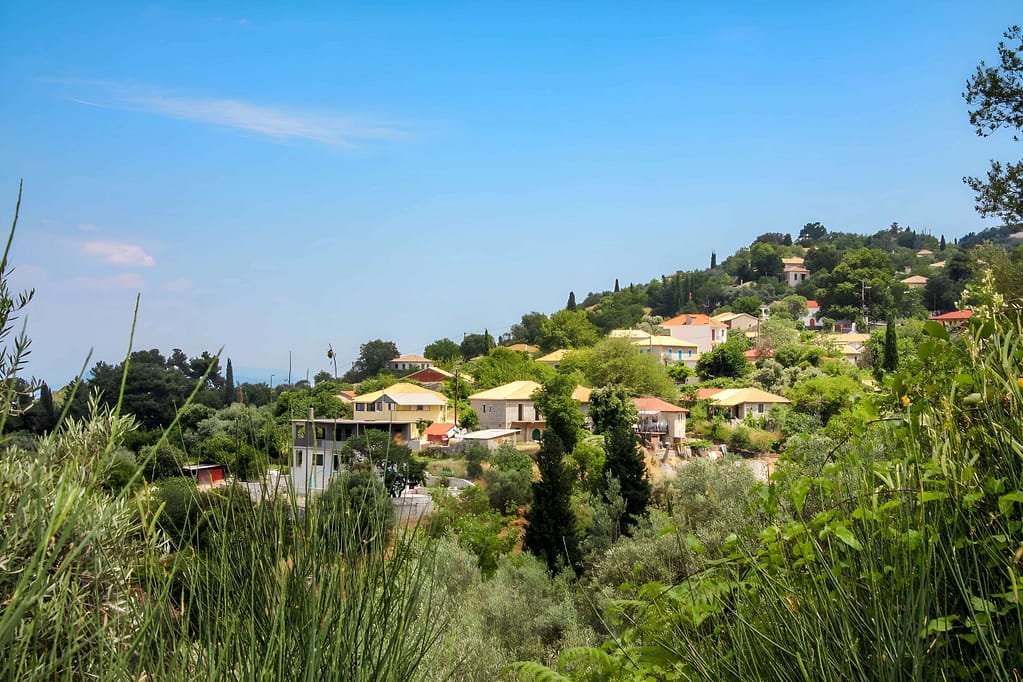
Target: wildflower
[(905, 400), (1020, 382)]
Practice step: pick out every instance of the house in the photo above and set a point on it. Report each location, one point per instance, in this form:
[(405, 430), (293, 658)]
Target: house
[(439, 433), (631, 334), (740, 403), (554, 358), (740, 322), (510, 407), (346, 397), (704, 331), (524, 348), (924, 253), (430, 377), (915, 282), (409, 363), (812, 318), (491, 438), (669, 350), (398, 410), (754, 354), (792, 260), (795, 275), (659, 420), (939, 264), (401, 405), (954, 319), (205, 475)]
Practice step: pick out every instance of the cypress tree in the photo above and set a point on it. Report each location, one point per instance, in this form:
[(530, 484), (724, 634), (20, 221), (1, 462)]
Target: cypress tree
[(613, 415), (941, 243), (229, 392), (891, 348), (551, 533), (616, 285), (571, 301), (713, 260)]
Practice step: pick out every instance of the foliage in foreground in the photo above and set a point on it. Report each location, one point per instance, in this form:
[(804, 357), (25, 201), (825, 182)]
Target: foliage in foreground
[(897, 558)]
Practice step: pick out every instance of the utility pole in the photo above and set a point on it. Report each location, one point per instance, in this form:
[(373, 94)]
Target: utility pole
[(863, 302)]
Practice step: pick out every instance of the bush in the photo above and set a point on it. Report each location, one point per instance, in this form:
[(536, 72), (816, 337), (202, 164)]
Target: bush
[(739, 440), (475, 454), (355, 512), (161, 461), (121, 472)]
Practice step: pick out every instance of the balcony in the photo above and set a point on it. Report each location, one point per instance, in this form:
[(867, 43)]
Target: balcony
[(652, 426)]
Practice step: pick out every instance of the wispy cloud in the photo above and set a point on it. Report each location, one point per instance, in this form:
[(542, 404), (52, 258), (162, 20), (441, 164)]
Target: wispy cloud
[(277, 123), (86, 227), (119, 253)]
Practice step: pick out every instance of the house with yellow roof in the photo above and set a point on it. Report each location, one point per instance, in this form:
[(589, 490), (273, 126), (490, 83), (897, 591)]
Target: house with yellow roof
[(511, 406), (409, 363), (739, 403), (398, 410), (526, 348), (669, 350), (554, 358)]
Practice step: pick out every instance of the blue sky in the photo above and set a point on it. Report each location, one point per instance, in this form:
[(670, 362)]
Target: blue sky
[(277, 179)]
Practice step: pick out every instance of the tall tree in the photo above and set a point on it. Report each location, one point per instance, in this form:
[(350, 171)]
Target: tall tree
[(571, 301), (941, 243), (373, 357), (713, 259), (551, 534), (995, 96), (442, 350), (475, 345), (617, 288), (891, 348), (811, 233), (229, 396), (614, 416)]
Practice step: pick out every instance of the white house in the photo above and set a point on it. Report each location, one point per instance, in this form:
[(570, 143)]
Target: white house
[(704, 331)]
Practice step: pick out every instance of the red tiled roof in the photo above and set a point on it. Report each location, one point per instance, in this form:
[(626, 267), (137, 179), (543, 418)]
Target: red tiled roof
[(649, 404), (686, 319), (754, 353), (812, 304), (955, 315), (438, 429)]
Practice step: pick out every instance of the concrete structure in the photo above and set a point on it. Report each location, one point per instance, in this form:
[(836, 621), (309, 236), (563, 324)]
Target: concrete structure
[(401, 403), (510, 407), (795, 275), (491, 437), (409, 363), (705, 332), (739, 403), (739, 322), (669, 350), (812, 318), (660, 421)]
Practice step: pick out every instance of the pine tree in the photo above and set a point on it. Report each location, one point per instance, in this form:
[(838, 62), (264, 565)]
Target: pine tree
[(551, 533), (616, 285), (713, 260), (571, 301), (941, 243), (229, 392), (891, 348)]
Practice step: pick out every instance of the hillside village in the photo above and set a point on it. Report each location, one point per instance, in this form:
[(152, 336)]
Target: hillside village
[(771, 343)]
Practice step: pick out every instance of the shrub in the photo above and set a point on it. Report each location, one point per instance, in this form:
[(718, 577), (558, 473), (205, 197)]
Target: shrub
[(739, 440)]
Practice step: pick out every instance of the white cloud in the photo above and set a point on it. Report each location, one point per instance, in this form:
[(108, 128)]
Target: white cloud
[(86, 227), (277, 123), (118, 253)]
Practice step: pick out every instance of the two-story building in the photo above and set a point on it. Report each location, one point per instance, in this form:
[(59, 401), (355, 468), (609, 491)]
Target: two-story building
[(704, 331), (669, 350), (660, 422), (510, 407), (400, 410), (409, 363)]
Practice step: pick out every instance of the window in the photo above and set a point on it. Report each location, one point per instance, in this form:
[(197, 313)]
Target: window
[(520, 411), (420, 408), (298, 458), (319, 459), (337, 462), (300, 432), (320, 433), (760, 408)]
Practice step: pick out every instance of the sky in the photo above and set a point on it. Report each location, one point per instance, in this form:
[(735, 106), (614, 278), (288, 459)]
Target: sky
[(278, 180)]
